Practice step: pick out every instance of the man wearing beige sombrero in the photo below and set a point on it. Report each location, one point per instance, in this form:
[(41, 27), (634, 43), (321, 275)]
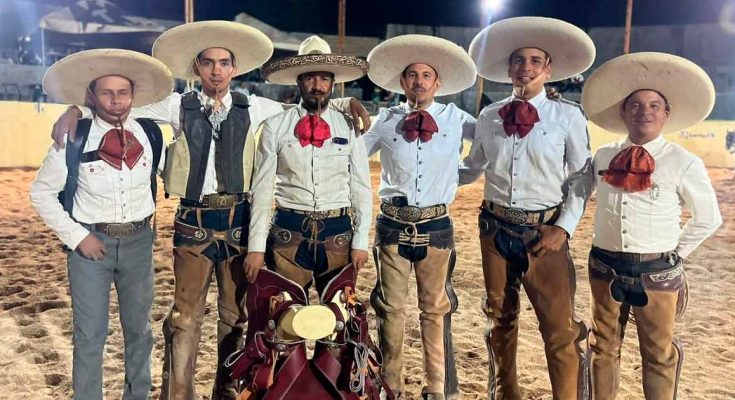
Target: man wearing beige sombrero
[(209, 167), (318, 166), (636, 262), (533, 151), (420, 143), (106, 178)]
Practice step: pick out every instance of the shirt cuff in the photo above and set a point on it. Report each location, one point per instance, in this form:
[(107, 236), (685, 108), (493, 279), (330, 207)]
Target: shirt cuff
[(75, 237), (257, 243), (566, 222), (360, 242)]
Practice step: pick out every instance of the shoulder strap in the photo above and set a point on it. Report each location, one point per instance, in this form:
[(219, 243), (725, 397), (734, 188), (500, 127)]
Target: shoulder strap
[(155, 138), (190, 101), (239, 100), (73, 158)]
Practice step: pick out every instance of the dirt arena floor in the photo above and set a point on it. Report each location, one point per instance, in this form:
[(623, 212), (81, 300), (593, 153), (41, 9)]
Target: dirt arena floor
[(36, 327)]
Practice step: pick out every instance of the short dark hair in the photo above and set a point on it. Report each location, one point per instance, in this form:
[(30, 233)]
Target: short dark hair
[(232, 55), (625, 100), (403, 73), (510, 57), (301, 76)]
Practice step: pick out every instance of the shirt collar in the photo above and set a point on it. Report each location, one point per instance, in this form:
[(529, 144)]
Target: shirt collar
[(650, 147), (431, 109), (105, 126), (226, 99), (536, 100)]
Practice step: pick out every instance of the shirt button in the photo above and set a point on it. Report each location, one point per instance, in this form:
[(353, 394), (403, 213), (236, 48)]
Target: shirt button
[(515, 174), (124, 204), (417, 203), (421, 162), (421, 176), (515, 158), (625, 246), (121, 179), (316, 184), (419, 147), (623, 217), (418, 190), (512, 202), (625, 231), (625, 203), (514, 189)]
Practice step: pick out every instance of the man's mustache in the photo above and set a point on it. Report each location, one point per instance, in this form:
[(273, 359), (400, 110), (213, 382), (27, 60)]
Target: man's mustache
[(317, 92)]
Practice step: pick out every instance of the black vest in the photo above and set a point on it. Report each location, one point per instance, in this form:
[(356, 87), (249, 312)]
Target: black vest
[(228, 150)]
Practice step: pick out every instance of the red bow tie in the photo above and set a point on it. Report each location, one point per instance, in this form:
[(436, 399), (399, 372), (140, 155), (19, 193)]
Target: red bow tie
[(312, 129), (518, 117), (118, 146), (630, 170), (419, 124)]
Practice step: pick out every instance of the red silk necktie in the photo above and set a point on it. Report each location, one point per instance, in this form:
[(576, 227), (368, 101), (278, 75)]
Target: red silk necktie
[(419, 124), (630, 170), (118, 147), (312, 129), (518, 117)]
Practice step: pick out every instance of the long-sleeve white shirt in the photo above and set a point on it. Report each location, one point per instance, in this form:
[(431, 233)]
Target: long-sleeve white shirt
[(425, 173), (649, 221), (309, 178), (104, 194), (541, 170)]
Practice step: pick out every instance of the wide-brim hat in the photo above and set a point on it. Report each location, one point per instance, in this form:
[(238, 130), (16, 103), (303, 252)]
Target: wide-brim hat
[(315, 55), (389, 59), (68, 79), (687, 88), (179, 46), (571, 49)]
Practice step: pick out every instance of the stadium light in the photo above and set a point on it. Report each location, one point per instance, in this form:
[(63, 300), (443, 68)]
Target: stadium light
[(491, 6)]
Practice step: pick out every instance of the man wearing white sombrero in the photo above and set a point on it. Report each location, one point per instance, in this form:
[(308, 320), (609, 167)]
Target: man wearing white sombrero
[(636, 261), (209, 167), (318, 166), (533, 151), (419, 142), (107, 178)]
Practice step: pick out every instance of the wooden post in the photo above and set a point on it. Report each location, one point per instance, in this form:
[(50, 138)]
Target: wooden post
[(188, 11), (628, 23), (341, 37)]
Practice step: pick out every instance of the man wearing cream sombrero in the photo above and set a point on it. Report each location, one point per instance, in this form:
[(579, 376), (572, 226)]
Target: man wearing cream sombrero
[(106, 207), (209, 167), (636, 261), (420, 143), (533, 151), (318, 166)]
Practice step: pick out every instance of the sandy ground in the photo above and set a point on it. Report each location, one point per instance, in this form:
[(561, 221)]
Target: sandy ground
[(35, 313)]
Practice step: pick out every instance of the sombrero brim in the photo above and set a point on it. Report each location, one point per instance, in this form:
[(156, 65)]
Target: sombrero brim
[(344, 68), (571, 49), (178, 46), (687, 87), (68, 79), (454, 66)]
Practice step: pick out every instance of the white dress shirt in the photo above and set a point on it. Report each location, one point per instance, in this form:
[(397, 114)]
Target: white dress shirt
[(309, 178), (104, 194), (169, 109), (649, 221), (542, 170), (424, 172)]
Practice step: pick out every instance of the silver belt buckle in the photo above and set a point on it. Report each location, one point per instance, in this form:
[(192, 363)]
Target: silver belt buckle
[(221, 201), (120, 230), (516, 216)]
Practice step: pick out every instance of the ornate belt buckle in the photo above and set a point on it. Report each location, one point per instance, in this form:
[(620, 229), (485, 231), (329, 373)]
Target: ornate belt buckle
[(120, 230), (221, 201), (409, 213), (516, 216)]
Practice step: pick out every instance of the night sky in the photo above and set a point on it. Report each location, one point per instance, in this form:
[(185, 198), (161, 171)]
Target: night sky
[(369, 17)]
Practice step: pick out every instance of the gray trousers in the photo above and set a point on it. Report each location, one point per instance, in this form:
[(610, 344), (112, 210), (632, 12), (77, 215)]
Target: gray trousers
[(129, 265)]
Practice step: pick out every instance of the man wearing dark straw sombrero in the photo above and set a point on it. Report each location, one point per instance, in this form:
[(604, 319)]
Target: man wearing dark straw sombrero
[(209, 167), (636, 262), (420, 143), (533, 151), (106, 207)]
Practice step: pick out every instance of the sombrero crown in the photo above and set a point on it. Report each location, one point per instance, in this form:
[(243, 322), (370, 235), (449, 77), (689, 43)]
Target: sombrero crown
[(571, 50), (68, 79), (451, 62), (686, 87), (315, 55)]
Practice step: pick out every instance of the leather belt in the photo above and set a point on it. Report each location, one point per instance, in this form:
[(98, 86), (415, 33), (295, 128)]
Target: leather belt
[(412, 213), (321, 215), (217, 200), (633, 257), (518, 216), (121, 230)]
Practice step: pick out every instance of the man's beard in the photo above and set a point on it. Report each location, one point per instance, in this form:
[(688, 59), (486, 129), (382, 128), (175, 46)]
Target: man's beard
[(312, 103)]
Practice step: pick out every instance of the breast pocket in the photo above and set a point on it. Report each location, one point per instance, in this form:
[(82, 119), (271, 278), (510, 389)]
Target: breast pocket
[(141, 172), (94, 177)]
